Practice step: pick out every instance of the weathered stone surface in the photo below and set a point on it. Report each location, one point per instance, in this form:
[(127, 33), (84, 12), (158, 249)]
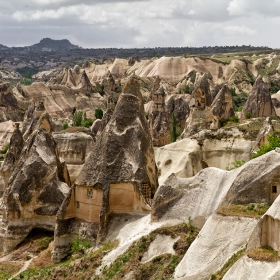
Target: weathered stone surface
[(73, 147), (222, 105), (199, 196), (179, 105), (9, 108), (119, 175), (12, 156), (159, 120), (247, 268), (36, 188), (218, 149), (259, 102), (219, 239)]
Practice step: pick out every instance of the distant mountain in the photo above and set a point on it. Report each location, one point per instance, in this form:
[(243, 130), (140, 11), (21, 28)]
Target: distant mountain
[(3, 48), (48, 44)]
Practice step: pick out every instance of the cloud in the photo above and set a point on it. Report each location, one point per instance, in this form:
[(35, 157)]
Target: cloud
[(147, 23), (235, 30)]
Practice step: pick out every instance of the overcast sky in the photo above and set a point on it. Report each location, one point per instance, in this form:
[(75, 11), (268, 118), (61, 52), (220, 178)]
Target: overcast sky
[(143, 23)]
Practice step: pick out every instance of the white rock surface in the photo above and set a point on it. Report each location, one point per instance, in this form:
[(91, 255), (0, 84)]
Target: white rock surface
[(219, 239), (162, 244), (249, 269), (184, 158), (129, 233)]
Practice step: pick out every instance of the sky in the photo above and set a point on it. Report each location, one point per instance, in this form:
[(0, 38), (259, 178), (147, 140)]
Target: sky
[(143, 23)]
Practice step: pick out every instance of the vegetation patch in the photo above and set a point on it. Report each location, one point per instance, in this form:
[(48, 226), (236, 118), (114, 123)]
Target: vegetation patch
[(161, 267), (220, 274), (253, 210), (235, 164), (264, 254), (273, 143), (8, 269), (72, 269)]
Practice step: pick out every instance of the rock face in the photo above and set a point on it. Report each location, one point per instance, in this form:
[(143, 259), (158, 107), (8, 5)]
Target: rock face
[(218, 149), (73, 147), (159, 120), (36, 188), (119, 176), (178, 104), (205, 113), (200, 197), (259, 102), (9, 108), (222, 105), (13, 154)]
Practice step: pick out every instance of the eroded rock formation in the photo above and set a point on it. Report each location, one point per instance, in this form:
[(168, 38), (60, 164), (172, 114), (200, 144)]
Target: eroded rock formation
[(259, 103), (119, 176), (160, 120), (36, 188)]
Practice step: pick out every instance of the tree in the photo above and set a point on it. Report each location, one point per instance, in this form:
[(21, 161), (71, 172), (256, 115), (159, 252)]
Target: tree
[(98, 113), (173, 128), (77, 118)]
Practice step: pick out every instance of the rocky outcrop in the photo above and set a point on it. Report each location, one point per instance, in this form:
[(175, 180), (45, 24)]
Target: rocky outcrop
[(119, 176), (159, 120), (200, 198), (259, 102), (73, 147), (12, 157), (178, 104), (9, 108), (36, 188), (218, 149), (222, 105)]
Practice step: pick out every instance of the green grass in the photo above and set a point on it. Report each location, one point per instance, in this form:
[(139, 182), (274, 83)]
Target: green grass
[(253, 210), (220, 274), (67, 269), (264, 254), (161, 267)]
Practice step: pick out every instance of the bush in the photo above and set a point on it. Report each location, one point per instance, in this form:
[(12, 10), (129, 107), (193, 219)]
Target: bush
[(79, 245), (186, 89), (98, 113), (77, 118), (234, 119), (274, 142), (5, 149), (238, 99), (87, 123), (248, 115), (65, 126), (235, 164), (25, 81)]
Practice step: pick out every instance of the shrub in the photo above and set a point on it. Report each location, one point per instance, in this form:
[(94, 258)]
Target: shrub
[(25, 81), (77, 118), (186, 89), (274, 142), (98, 113), (87, 123), (5, 149), (79, 245), (235, 164), (65, 126), (173, 128), (248, 115), (234, 119)]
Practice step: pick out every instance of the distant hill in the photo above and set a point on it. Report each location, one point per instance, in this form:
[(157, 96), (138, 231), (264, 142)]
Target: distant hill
[(3, 48), (48, 44)]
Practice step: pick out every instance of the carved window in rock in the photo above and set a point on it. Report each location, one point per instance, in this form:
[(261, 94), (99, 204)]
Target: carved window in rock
[(274, 189), (71, 155), (146, 192), (77, 204), (65, 156), (90, 193)]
